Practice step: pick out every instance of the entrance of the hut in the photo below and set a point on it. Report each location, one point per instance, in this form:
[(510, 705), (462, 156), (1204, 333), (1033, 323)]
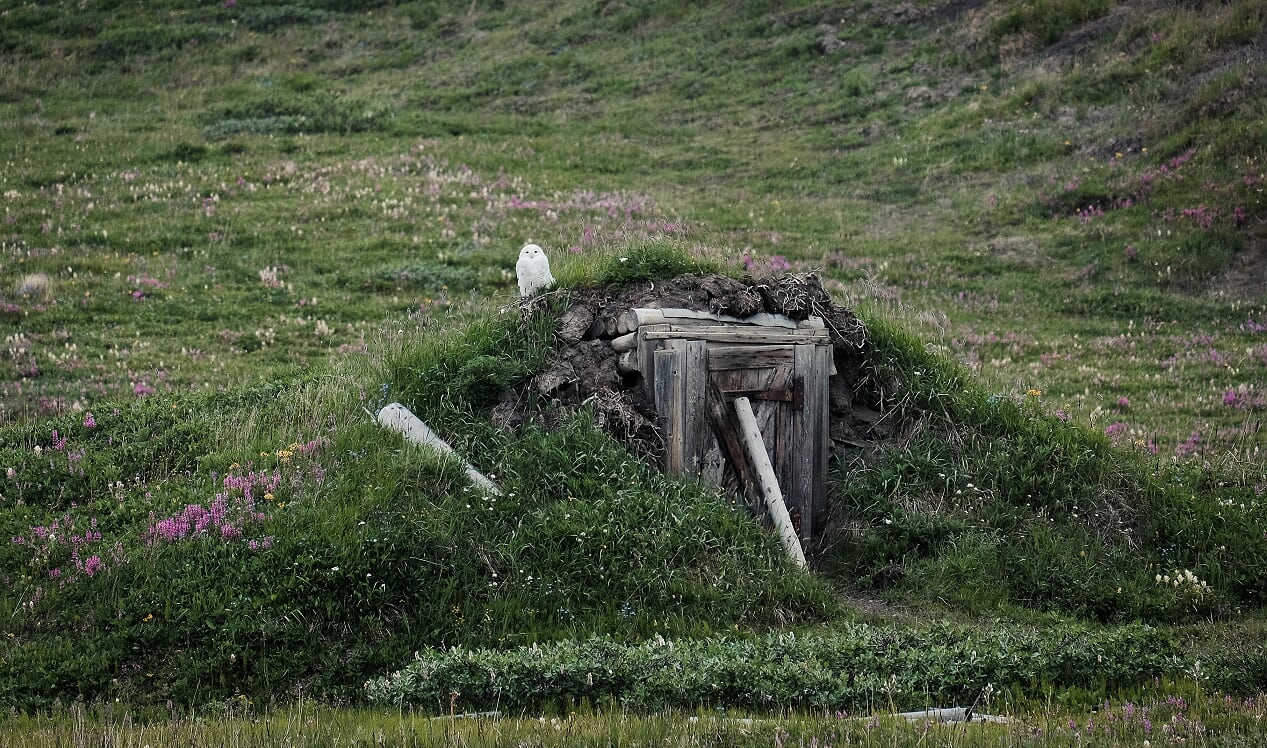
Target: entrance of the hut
[(696, 374)]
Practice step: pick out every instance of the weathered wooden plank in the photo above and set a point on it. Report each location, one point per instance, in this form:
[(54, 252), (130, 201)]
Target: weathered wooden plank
[(818, 407), (695, 426), (787, 447), (760, 335), (727, 357), (746, 380), (770, 320), (726, 427), (713, 468), (632, 319), (646, 360), (767, 415), (804, 424), (669, 404)]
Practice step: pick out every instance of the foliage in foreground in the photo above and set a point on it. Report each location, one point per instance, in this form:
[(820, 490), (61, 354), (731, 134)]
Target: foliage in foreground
[(852, 667), (1168, 714)]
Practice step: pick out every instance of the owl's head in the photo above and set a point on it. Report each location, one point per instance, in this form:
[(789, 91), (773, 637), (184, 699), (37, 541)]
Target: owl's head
[(531, 252)]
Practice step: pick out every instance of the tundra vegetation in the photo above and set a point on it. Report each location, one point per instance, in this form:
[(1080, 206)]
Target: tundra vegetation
[(232, 228)]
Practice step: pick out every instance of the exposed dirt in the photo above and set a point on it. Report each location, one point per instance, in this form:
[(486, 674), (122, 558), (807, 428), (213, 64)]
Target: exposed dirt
[(584, 370), (1246, 277)]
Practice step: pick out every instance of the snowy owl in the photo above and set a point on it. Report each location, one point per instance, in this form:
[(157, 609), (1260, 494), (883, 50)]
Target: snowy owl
[(533, 270)]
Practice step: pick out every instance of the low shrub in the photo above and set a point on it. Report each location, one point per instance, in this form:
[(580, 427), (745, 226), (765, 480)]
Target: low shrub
[(854, 667)]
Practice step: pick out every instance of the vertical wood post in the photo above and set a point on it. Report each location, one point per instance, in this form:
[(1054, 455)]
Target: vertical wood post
[(818, 407), (670, 402), (695, 425)]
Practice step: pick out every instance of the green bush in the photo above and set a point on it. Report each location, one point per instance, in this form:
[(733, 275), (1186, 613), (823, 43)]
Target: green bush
[(855, 667)]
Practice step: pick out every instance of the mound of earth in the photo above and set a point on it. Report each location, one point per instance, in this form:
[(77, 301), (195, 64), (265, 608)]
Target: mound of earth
[(586, 370)]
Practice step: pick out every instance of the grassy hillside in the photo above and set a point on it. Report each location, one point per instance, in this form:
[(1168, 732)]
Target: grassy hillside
[(229, 229)]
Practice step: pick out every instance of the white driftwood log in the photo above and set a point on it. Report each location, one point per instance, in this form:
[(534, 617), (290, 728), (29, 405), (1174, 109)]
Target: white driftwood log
[(626, 342), (950, 714), (398, 418), (766, 479)]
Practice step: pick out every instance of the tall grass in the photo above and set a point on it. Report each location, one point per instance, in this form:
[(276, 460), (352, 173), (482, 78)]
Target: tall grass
[(1150, 716)]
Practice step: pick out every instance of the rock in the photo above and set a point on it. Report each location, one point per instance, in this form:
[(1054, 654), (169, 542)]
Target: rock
[(575, 323)]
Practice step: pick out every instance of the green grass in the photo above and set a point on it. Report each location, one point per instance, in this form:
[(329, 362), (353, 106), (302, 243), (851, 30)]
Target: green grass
[(257, 222), (1173, 713)]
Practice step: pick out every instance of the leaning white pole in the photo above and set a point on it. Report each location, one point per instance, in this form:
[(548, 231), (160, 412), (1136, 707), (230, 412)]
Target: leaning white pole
[(768, 482), (399, 418)]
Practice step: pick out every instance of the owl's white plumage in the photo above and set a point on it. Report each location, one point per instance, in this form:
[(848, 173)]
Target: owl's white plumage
[(533, 270)]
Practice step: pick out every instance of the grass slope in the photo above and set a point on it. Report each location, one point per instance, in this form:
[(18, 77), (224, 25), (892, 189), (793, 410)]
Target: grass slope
[(210, 212)]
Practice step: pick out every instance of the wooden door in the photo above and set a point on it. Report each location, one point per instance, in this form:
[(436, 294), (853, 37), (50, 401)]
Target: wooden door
[(694, 387)]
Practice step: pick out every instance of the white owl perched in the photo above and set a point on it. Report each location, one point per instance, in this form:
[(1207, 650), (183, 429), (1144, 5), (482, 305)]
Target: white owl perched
[(533, 270)]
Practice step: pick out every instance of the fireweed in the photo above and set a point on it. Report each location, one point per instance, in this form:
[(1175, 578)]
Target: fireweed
[(65, 551), (72, 548), (246, 502)]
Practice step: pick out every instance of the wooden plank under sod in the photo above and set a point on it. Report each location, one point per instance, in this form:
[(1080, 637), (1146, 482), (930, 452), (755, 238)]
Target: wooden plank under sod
[(632, 319), (735, 334)]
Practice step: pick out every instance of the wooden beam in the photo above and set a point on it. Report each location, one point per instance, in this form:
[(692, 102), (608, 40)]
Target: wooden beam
[(624, 343), (732, 334), (669, 403), (397, 417), (769, 485), (731, 357), (726, 427), (632, 319), (694, 365)]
